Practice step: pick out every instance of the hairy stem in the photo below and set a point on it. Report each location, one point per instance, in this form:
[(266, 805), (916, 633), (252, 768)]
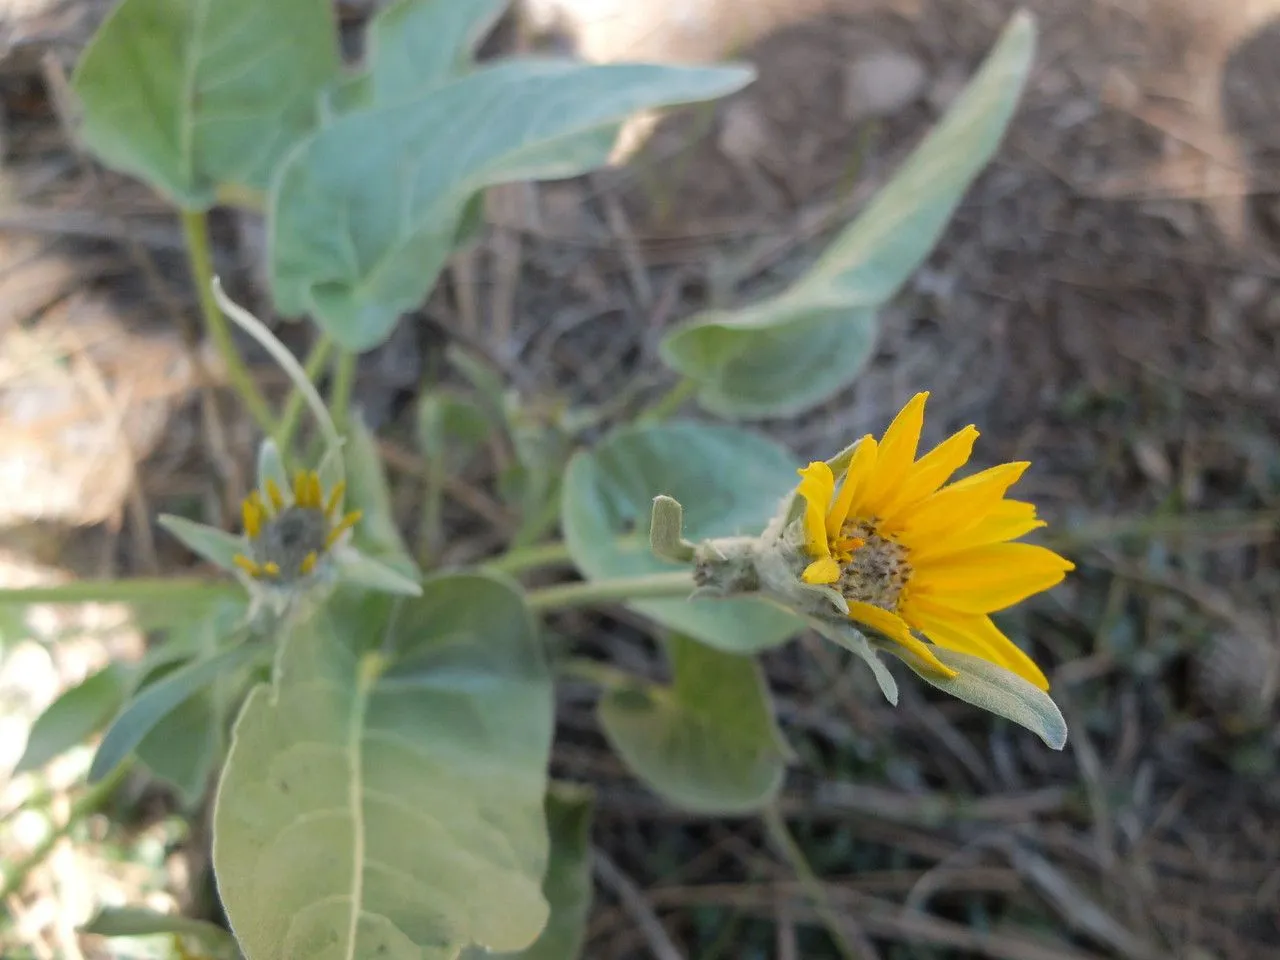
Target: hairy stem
[(195, 227), (585, 594), (293, 406), (553, 554)]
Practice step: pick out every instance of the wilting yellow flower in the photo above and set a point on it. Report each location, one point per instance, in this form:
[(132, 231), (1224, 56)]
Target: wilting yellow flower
[(289, 532), (911, 553)]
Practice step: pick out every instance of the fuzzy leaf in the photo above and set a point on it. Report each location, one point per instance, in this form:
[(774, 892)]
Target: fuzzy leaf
[(384, 798), (729, 482), (76, 715), (193, 94), (709, 742), (360, 236), (791, 351)]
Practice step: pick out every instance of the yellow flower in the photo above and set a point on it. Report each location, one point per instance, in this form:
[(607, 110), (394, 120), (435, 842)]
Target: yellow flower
[(289, 532), (912, 553)]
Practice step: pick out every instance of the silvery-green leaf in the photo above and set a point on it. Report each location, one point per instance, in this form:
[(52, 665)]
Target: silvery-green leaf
[(849, 637), (360, 235), (216, 546), (194, 94), (383, 798), (784, 354), (141, 922), (708, 742), (76, 715), (419, 44), (995, 690)]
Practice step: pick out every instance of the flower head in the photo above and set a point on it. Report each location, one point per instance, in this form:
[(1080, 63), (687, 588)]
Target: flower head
[(911, 553), (288, 533)]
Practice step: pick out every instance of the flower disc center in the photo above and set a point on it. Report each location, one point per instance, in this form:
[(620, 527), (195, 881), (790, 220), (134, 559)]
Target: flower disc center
[(878, 571), (289, 538)]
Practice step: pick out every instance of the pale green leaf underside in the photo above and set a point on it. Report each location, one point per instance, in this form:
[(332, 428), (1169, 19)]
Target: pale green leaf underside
[(729, 481), (190, 94), (790, 352), (360, 235), (385, 799), (709, 742)]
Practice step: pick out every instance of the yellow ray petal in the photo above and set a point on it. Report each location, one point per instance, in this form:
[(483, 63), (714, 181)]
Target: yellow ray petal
[(817, 486), (251, 513), (825, 570), (855, 481), (1007, 520), (897, 453), (958, 504), (974, 634), (341, 527), (931, 471), (335, 499), (274, 495), (986, 579), (247, 565), (896, 629)]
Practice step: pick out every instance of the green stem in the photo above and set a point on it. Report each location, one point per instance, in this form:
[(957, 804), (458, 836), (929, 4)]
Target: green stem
[(344, 375), (293, 406), (553, 554), (776, 827), (195, 227), (667, 405), (601, 674), (136, 590), (86, 804), (587, 593)]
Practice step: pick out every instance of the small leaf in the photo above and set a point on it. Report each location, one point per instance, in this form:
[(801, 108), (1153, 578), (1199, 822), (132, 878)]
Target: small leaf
[(157, 701), (729, 482), (376, 535), (76, 715), (216, 546), (140, 922), (567, 885), (191, 94), (358, 570), (666, 531), (385, 799), (360, 236), (785, 354), (709, 742), (271, 467), (995, 690)]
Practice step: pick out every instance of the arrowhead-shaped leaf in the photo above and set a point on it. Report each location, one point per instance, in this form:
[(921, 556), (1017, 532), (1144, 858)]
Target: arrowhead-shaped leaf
[(364, 215), (794, 350), (385, 797), (729, 482), (190, 94), (707, 743)]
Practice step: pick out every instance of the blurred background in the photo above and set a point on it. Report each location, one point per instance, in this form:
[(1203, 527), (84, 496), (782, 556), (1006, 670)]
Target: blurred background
[(1103, 304)]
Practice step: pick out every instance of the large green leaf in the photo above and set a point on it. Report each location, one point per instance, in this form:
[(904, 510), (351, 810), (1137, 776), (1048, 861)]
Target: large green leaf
[(385, 798), (364, 215), (789, 352), (729, 481), (190, 94), (567, 885), (708, 742), (182, 748), (76, 715)]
